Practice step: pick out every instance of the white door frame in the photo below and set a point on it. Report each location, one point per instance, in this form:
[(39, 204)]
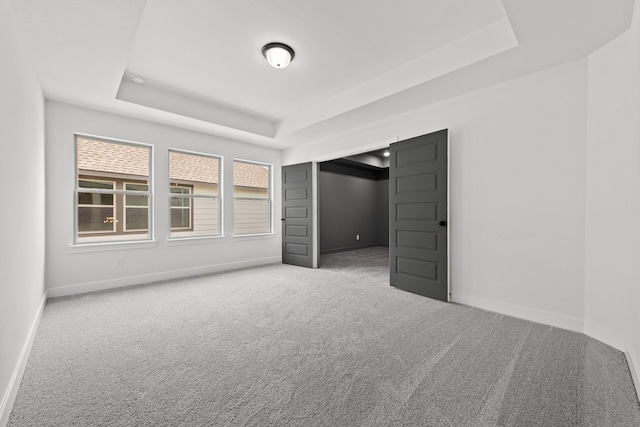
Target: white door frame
[(352, 151), (363, 149)]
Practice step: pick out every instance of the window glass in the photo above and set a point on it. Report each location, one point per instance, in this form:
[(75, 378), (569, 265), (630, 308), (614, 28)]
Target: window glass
[(83, 183), (180, 219), (251, 198), (194, 199), (180, 209), (136, 208), (113, 193)]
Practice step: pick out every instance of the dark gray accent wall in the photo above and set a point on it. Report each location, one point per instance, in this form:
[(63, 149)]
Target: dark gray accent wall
[(383, 210), (352, 201)]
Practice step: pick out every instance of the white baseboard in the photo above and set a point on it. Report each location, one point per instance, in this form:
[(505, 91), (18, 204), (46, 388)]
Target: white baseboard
[(9, 397), (155, 277), (634, 365), (522, 312), (608, 336), (594, 330)]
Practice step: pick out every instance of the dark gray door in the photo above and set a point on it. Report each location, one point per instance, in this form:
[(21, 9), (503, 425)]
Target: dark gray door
[(297, 235), (418, 215)]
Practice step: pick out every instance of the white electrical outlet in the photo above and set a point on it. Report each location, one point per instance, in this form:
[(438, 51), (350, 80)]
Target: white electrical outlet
[(357, 237), (120, 262)]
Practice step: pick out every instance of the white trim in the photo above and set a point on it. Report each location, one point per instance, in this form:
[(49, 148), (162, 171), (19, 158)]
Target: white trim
[(193, 195), (194, 153), (448, 215), (603, 334), (258, 236), (9, 397), (189, 196), (235, 159), (360, 149), (634, 365), (155, 277), (270, 198), (119, 245), (522, 312), (615, 339), (113, 206), (110, 139), (221, 202), (195, 240), (125, 206), (150, 184), (105, 191), (315, 179), (315, 237)]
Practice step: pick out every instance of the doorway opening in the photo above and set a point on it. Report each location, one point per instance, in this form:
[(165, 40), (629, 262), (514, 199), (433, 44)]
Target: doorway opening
[(353, 211), (416, 211)]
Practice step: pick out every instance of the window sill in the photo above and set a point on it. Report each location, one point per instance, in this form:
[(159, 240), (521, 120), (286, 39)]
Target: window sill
[(111, 246), (180, 241), (254, 236)]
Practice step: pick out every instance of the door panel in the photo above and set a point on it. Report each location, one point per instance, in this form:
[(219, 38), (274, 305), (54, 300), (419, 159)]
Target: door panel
[(297, 239), (417, 206)]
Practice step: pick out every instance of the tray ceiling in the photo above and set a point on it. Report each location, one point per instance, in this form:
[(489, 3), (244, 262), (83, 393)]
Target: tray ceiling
[(355, 61)]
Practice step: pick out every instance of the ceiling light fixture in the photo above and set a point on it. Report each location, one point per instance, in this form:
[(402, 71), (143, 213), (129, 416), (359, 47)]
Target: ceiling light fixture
[(386, 153), (278, 55), (137, 78)]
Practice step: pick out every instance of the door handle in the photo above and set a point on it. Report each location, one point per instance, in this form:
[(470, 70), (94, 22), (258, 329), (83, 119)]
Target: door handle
[(442, 223), (281, 219)]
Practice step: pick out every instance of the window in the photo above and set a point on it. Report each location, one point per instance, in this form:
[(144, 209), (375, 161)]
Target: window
[(180, 209), (96, 212), (112, 190), (136, 208), (194, 193), (251, 198)]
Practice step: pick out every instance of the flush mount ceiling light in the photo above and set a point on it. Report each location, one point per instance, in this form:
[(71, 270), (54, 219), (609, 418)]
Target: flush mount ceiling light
[(137, 78), (278, 55), (386, 153)]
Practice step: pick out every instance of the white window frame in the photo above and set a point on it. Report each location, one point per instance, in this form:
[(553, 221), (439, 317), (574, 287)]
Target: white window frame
[(194, 195), (189, 208), (112, 206), (149, 193), (269, 198), (125, 207)]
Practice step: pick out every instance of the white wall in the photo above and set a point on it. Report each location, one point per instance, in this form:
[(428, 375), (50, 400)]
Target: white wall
[(517, 183), (22, 214), (612, 281), (545, 196), (71, 271), (545, 192)]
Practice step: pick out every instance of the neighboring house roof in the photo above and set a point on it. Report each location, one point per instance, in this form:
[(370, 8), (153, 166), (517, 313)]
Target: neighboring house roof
[(102, 156), (250, 175), (187, 167)]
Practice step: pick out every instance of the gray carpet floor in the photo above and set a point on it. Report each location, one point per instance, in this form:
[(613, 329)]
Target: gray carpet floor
[(282, 345)]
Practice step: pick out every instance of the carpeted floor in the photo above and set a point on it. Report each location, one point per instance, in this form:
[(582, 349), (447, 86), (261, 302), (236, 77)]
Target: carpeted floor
[(282, 345)]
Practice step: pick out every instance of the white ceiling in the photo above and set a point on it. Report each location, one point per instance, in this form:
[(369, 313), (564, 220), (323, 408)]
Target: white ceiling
[(356, 61)]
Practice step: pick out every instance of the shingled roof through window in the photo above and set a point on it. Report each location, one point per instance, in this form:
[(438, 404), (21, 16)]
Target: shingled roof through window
[(101, 156), (190, 167), (250, 175), (111, 157)]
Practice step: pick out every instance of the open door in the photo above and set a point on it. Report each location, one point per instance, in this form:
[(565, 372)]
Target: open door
[(297, 215), (418, 215)]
